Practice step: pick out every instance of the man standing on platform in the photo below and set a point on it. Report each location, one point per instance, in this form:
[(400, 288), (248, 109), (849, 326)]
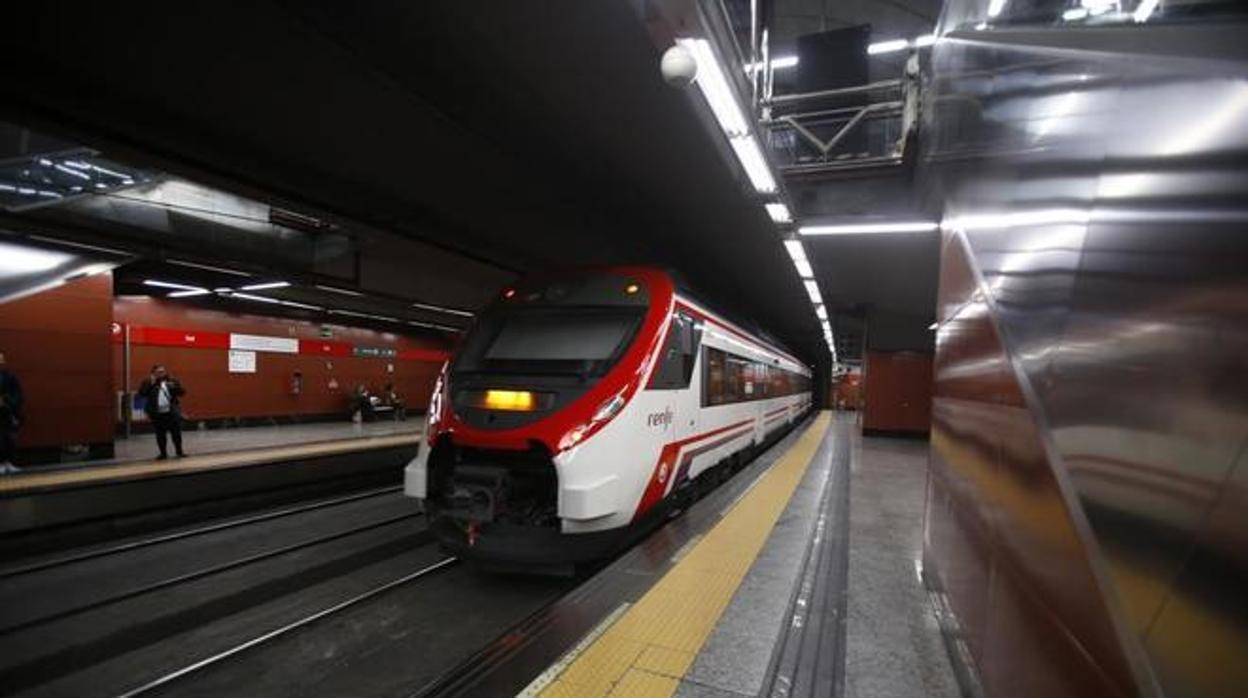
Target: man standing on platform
[(10, 416), (162, 396)]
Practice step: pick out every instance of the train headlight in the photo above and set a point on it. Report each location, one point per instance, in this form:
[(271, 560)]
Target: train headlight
[(507, 400), (608, 409)]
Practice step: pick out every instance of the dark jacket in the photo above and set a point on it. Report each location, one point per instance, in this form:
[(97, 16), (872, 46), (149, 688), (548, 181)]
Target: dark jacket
[(150, 391), (13, 400)]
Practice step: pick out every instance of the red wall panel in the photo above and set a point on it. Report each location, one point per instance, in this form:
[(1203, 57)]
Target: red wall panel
[(898, 392), (57, 342), (329, 369)]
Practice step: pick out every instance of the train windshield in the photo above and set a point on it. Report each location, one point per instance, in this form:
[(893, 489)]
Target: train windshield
[(579, 328)]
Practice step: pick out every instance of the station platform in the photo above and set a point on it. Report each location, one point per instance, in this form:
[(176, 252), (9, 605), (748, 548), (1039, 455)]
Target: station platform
[(214, 449), (807, 582), (226, 471)]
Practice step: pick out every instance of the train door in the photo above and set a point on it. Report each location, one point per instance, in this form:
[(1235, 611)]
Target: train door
[(676, 378)]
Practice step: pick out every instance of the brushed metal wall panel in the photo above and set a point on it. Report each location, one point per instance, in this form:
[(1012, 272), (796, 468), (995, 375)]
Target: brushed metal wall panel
[(1101, 203)]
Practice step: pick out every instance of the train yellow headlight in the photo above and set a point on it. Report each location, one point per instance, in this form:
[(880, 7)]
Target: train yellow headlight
[(510, 400)]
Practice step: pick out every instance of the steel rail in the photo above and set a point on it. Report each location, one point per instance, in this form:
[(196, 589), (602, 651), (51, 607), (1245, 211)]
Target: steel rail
[(285, 629), (211, 528), (199, 574)]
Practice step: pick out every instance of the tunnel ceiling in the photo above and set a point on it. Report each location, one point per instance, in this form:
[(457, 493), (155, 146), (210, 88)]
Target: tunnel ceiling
[(525, 137)]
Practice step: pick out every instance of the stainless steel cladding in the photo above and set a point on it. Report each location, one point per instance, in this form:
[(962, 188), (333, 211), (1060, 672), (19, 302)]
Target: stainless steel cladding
[(1088, 506)]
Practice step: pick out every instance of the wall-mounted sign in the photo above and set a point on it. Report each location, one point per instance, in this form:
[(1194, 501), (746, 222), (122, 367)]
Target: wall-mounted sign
[(256, 342), (327, 332), (376, 352), (242, 361)]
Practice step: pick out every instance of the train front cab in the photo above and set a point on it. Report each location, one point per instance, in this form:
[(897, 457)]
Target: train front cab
[(579, 412)]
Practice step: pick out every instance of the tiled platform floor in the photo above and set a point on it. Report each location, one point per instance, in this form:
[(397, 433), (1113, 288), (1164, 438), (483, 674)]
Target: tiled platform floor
[(893, 646)]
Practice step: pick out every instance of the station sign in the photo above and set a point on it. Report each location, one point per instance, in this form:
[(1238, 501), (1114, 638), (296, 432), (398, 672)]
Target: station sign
[(257, 342), (376, 352)]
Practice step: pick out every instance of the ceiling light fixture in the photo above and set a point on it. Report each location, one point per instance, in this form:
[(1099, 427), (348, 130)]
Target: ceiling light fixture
[(777, 63), (996, 6), (798, 254), (170, 284), (207, 267), (343, 291), (890, 46), (1144, 10), (250, 297), (779, 213), (441, 309), (433, 325), (933, 326), (264, 286), (867, 228), (190, 293), (722, 100), (755, 164), (812, 290)]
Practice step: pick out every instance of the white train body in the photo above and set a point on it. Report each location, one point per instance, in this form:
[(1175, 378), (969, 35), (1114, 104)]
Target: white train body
[(535, 455)]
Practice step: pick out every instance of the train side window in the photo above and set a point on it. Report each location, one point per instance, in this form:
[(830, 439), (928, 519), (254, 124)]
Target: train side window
[(678, 356), (713, 388)]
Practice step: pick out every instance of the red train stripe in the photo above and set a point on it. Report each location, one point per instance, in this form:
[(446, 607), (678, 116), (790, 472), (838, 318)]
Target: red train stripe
[(664, 467)]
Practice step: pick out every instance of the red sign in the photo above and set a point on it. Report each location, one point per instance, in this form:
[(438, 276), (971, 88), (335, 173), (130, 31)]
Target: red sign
[(167, 337), (320, 347)]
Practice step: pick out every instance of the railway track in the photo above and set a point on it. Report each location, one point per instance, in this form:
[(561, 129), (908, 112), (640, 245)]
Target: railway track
[(73, 612)]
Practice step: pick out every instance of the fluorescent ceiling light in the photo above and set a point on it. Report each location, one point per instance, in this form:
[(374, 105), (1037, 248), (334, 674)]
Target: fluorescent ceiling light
[(933, 326), (812, 290), (188, 294), (861, 228), (250, 297), (798, 254), (69, 171), (924, 40), (1144, 10), (305, 306), (715, 88), (208, 267), (16, 259), (1075, 14), (441, 309), (890, 46), (370, 316), (777, 63), (995, 7), (343, 291), (170, 284), (1017, 219), (79, 245), (779, 213), (266, 285), (756, 167), (433, 325), (795, 249), (722, 100), (822, 313)]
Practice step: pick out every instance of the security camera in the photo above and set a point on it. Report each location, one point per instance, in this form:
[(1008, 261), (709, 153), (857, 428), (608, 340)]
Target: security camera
[(678, 66)]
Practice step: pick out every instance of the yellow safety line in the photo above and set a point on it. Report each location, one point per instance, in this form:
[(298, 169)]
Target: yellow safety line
[(647, 651), (88, 475)]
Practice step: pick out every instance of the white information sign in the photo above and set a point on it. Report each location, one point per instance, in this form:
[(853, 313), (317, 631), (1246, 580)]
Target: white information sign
[(242, 361), (256, 342)]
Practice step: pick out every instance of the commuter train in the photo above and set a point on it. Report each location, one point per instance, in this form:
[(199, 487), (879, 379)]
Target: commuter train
[(582, 409)]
